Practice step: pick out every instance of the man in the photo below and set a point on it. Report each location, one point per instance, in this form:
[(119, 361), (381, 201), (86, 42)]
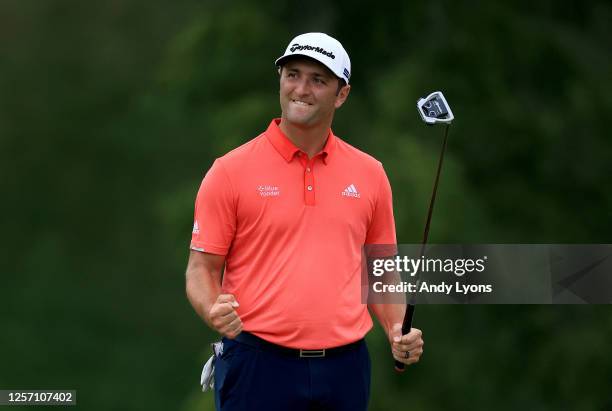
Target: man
[(286, 215)]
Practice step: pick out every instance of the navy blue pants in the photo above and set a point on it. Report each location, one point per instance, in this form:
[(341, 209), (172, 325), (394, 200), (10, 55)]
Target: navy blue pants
[(249, 378)]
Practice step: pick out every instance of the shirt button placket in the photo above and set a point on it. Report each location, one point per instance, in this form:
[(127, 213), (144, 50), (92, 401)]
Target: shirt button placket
[(309, 186)]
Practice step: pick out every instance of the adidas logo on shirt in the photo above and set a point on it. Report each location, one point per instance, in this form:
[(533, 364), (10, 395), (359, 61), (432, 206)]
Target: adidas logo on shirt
[(351, 191), (196, 229)]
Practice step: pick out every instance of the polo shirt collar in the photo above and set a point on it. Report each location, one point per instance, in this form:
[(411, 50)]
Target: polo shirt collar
[(287, 149)]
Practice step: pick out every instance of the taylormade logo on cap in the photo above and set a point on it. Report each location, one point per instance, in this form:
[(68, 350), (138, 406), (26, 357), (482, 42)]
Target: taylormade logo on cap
[(296, 46), (323, 48)]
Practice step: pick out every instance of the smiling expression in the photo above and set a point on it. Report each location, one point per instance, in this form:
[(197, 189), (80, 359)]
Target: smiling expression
[(308, 93)]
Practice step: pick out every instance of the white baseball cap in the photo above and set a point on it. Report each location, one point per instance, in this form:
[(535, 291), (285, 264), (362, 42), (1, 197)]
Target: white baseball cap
[(323, 48)]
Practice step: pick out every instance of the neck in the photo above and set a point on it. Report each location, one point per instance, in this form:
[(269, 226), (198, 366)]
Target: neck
[(310, 140)]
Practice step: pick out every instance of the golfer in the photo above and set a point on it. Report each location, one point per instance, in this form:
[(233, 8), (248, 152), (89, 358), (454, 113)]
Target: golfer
[(275, 260)]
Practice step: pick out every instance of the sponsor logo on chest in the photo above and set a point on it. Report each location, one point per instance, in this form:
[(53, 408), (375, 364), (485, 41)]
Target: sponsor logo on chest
[(268, 190)]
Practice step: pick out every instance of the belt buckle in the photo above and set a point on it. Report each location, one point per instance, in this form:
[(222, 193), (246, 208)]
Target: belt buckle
[(312, 353)]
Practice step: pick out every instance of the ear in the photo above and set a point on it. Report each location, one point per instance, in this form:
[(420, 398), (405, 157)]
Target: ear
[(342, 96)]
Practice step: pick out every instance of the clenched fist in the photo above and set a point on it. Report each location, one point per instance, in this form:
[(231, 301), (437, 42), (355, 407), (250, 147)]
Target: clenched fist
[(223, 316)]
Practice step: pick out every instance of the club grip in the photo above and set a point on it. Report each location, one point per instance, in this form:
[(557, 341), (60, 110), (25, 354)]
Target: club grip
[(406, 326), (399, 366)]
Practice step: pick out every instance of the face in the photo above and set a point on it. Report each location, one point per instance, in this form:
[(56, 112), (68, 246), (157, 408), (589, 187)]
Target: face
[(308, 93)]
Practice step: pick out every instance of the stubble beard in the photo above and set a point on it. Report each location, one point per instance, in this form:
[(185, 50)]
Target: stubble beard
[(297, 115)]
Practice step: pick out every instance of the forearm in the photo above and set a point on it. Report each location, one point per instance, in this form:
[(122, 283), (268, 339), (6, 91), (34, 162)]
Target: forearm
[(202, 292), (203, 287), (389, 308), (388, 314)]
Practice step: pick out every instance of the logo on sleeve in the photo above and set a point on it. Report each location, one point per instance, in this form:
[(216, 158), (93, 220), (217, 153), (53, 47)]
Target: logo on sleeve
[(351, 191), (196, 228)]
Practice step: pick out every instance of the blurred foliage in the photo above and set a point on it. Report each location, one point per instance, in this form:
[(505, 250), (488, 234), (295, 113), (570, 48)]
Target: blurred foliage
[(110, 114)]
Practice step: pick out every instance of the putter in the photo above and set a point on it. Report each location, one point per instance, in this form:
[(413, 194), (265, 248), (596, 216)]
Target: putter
[(433, 110)]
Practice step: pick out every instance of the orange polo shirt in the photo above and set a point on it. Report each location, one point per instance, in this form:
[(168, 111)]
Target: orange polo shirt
[(292, 230)]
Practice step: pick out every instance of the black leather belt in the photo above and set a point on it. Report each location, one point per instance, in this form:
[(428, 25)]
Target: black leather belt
[(254, 341)]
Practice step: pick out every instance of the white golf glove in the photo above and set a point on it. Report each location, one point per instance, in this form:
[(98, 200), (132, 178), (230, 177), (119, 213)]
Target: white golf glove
[(207, 380)]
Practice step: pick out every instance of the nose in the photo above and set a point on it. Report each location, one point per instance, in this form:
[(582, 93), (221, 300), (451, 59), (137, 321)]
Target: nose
[(302, 87)]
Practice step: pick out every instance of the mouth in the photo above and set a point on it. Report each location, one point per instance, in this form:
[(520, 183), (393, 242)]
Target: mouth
[(301, 103)]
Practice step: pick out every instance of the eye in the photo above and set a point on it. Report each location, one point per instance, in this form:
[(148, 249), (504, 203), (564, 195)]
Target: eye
[(319, 80)]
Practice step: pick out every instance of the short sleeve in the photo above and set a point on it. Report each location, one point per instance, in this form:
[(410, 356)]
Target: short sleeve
[(214, 222), (382, 227)]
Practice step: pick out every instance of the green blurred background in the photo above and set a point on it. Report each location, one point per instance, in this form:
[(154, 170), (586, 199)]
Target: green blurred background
[(111, 113)]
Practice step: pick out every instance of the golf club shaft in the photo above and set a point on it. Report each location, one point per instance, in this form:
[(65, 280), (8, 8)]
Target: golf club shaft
[(407, 323)]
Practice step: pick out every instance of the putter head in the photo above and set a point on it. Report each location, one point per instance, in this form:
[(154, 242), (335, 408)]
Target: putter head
[(434, 109)]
